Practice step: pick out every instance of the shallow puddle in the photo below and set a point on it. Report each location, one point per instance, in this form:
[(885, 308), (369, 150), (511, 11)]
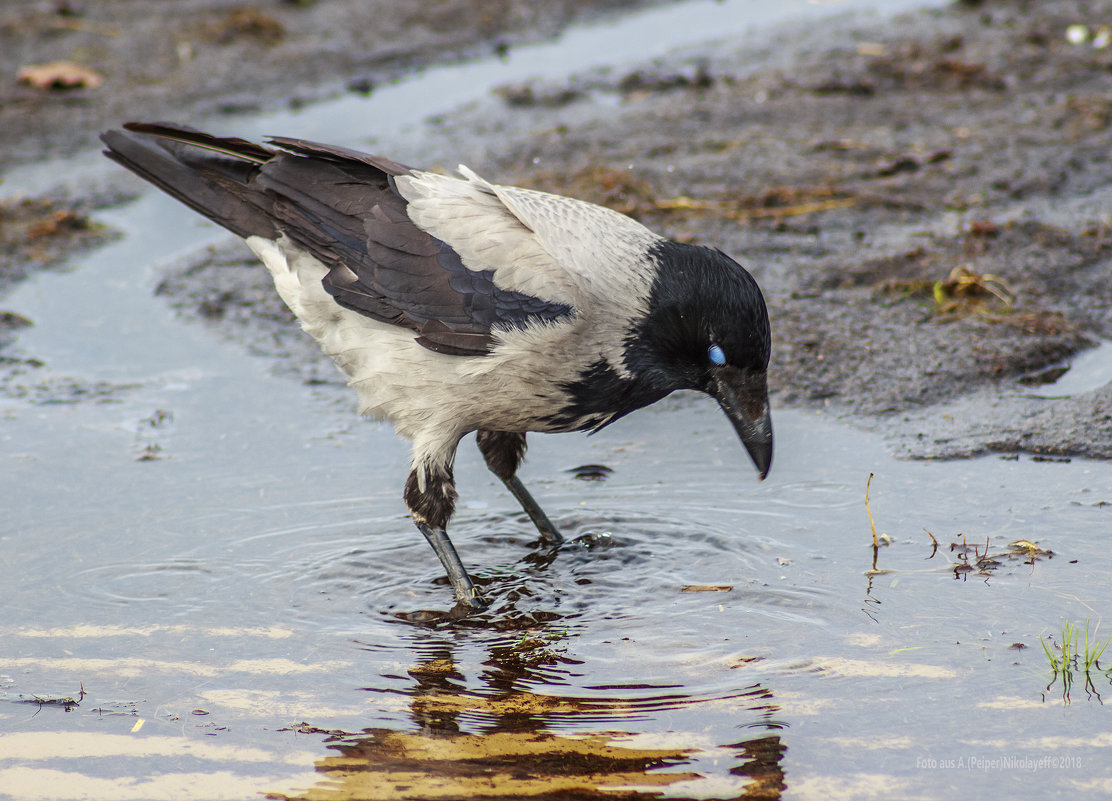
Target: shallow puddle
[(243, 608), (211, 590), (1086, 371)]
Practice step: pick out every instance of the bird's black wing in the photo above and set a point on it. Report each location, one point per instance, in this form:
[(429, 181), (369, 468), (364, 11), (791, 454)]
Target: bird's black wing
[(342, 207)]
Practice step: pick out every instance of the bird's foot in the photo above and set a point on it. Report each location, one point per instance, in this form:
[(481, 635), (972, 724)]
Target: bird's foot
[(469, 606), (474, 600)]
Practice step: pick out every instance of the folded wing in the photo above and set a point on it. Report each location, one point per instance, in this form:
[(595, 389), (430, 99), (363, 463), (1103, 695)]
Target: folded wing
[(345, 208)]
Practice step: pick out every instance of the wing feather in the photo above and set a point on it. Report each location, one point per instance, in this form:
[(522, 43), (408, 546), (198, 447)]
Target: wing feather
[(543, 245), (344, 208), (449, 258)]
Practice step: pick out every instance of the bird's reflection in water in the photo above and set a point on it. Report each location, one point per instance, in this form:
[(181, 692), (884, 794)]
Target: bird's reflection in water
[(506, 741)]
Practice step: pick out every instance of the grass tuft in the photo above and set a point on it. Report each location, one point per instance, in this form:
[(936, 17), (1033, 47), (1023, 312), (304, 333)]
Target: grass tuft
[(1075, 653)]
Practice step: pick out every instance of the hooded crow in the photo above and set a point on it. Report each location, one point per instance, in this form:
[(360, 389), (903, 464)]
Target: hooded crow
[(455, 305)]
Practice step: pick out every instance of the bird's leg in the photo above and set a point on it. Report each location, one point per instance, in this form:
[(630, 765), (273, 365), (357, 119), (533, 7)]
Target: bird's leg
[(432, 502), (465, 590), (503, 451)]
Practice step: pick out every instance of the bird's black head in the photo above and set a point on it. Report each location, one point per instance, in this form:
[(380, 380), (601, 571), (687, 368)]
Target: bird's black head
[(707, 329)]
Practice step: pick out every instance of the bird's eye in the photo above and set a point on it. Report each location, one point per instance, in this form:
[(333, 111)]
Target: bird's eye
[(716, 355)]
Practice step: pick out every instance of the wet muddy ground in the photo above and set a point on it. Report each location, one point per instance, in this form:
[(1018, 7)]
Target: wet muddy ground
[(211, 580), (926, 206), (926, 201), (215, 57)]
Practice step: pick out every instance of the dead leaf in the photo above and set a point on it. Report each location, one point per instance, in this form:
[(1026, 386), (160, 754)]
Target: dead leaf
[(60, 75), (59, 222), (707, 588)]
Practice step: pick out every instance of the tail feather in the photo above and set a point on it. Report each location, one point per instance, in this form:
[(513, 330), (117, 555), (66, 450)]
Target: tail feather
[(341, 155), (228, 145), (213, 176)]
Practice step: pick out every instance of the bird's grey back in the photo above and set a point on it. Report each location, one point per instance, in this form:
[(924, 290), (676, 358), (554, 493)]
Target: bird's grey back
[(552, 247)]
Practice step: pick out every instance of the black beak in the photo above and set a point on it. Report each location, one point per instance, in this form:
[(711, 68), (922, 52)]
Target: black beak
[(744, 398)]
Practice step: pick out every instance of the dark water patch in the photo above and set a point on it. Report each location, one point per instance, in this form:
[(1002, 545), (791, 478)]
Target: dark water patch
[(592, 472)]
